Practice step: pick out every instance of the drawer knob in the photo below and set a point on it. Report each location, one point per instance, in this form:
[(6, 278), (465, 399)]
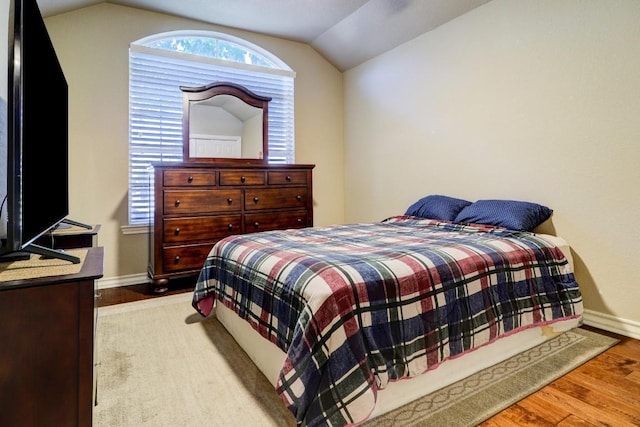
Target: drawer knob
[(190, 179), (230, 226), (230, 200), (255, 199), (178, 202), (177, 230), (298, 198), (299, 220), (243, 178), (288, 178), (256, 224), (177, 259)]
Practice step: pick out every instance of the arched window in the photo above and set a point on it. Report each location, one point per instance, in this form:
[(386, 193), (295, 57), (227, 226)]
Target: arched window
[(160, 64)]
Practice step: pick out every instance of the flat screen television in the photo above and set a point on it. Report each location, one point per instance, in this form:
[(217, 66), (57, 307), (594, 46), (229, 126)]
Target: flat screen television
[(34, 156)]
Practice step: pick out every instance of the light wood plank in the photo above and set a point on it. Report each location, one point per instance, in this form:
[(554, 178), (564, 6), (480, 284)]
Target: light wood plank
[(610, 386), (628, 348), (575, 421), (500, 420), (537, 405), (635, 378), (608, 369), (585, 410), (524, 417), (593, 407)]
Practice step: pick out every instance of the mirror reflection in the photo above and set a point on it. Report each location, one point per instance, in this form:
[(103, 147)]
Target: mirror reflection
[(225, 126), (224, 122)]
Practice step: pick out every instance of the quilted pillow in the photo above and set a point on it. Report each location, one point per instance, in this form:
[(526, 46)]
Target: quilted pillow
[(511, 214), (437, 207)]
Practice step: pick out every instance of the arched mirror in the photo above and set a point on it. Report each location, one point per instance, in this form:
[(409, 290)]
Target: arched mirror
[(224, 122)]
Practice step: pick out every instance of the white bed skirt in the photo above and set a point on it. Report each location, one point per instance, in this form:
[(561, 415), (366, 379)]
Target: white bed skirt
[(269, 358)]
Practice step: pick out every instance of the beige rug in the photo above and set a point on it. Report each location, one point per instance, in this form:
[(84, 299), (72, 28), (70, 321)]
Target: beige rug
[(161, 364)]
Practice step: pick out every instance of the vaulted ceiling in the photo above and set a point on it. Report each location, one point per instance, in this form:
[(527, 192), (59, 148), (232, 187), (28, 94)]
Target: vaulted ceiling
[(346, 32)]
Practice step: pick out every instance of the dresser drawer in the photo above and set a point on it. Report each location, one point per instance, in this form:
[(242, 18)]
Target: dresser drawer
[(275, 221), (201, 228), (287, 177), (189, 257), (242, 177), (184, 177), (189, 202), (275, 198)]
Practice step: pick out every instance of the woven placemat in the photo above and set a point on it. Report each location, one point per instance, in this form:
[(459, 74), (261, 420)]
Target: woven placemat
[(38, 266), (72, 229)]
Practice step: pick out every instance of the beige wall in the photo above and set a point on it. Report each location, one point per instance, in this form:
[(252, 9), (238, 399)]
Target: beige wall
[(534, 101), (537, 101), (93, 44)]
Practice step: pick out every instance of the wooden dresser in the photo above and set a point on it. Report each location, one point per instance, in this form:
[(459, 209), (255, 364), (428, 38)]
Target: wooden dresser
[(47, 347), (197, 204)]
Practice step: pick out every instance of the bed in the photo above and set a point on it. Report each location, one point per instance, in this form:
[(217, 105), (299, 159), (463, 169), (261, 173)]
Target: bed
[(351, 321)]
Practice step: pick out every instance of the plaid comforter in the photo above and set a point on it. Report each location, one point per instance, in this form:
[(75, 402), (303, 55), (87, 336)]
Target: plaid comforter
[(356, 306)]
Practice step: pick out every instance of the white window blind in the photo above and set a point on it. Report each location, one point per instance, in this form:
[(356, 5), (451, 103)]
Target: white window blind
[(155, 112)]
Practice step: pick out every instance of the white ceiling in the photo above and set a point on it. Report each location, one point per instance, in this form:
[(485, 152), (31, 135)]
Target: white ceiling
[(345, 32)]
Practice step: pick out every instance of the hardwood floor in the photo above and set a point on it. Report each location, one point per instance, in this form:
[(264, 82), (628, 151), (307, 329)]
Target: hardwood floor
[(132, 293), (605, 391)]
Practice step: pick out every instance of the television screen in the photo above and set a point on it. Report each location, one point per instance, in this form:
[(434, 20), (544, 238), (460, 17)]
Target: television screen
[(44, 129), (5, 31), (34, 132)]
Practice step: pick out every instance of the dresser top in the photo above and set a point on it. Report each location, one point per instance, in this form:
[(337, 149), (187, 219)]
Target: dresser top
[(162, 165)]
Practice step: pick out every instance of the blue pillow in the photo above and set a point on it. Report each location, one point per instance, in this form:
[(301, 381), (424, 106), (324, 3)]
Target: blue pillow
[(511, 214), (437, 207)]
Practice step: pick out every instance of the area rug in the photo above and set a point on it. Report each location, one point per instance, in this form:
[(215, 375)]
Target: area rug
[(161, 364)]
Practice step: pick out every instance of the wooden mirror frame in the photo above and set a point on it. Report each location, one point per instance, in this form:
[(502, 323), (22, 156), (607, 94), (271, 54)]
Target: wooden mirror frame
[(201, 93)]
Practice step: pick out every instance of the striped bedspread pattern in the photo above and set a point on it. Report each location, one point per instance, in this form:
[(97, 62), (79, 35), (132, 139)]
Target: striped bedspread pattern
[(356, 306)]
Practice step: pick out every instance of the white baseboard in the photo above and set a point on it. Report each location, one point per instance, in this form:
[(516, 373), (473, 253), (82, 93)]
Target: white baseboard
[(116, 282), (626, 327)]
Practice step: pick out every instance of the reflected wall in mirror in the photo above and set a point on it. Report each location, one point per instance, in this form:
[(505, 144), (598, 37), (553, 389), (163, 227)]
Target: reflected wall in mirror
[(224, 122)]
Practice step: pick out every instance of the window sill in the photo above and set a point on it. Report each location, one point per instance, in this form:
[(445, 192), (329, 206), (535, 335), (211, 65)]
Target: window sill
[(135, 229)]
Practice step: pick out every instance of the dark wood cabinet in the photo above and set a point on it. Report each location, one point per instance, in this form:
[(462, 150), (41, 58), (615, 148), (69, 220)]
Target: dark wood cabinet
[(70, 237), (46, 348), (197, 204)]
